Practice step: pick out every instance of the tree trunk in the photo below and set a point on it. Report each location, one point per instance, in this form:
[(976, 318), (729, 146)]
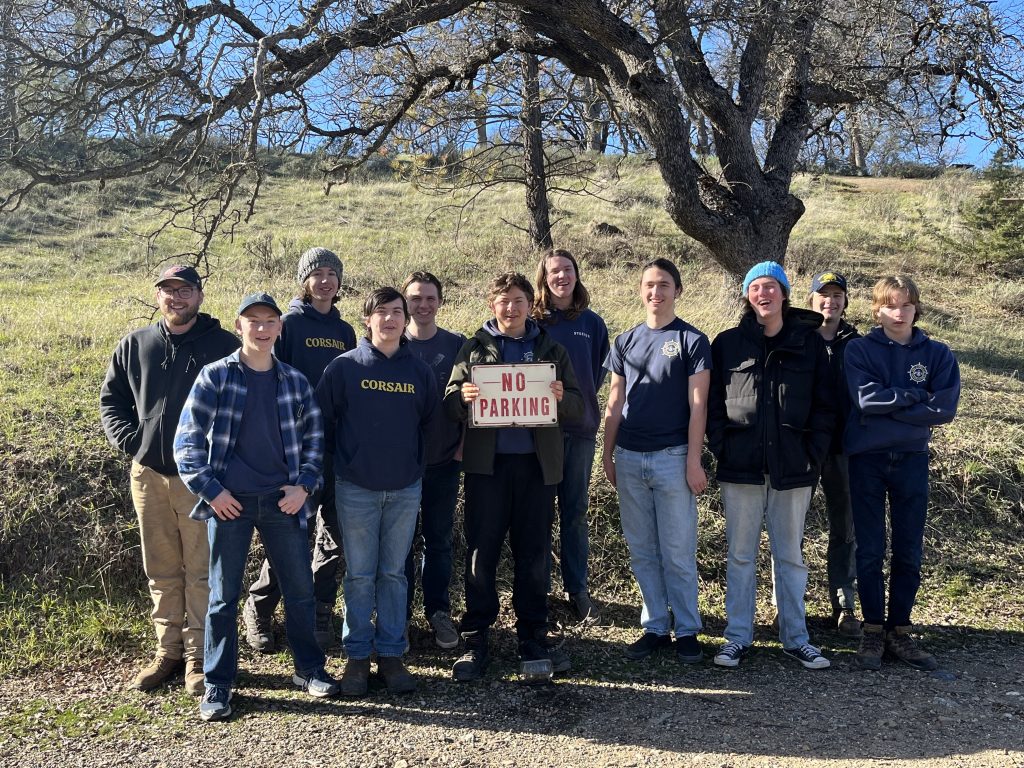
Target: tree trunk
[(478, 98), (597, 128), (533, 156), (858, 152)]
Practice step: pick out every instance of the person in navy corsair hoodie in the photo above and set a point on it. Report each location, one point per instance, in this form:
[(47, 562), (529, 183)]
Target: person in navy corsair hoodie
[(901, 384), (312, 335), (377, 402)]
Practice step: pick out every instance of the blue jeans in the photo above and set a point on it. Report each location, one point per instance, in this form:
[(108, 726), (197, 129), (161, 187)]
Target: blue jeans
[(437, 519), (783, 513), (659, 520), (573, 502), (903, 477), (287, 547), (376, 532)]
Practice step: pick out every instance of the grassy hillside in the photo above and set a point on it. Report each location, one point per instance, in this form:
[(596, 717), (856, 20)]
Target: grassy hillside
[(76, 271)]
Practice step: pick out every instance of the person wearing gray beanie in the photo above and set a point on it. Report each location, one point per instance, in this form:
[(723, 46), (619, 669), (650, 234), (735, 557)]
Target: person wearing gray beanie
[(315, 258)]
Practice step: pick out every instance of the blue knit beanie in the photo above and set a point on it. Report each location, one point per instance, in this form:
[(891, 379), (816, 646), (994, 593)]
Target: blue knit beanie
[(767, 269)]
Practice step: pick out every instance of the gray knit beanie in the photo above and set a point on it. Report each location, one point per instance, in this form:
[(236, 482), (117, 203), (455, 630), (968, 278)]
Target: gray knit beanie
[(315, 258)]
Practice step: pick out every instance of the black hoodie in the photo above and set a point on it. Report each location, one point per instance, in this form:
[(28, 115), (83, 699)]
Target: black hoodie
[(147, 383)]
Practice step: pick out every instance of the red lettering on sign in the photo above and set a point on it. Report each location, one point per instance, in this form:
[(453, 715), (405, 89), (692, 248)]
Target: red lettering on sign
[(533, 406), (515, 407), (545, 407), (506, 382), (504, 407), (520, 381)]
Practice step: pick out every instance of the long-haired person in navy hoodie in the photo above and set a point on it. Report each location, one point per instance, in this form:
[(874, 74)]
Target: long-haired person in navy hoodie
[(902, 384), (377, 401), (312, 335)]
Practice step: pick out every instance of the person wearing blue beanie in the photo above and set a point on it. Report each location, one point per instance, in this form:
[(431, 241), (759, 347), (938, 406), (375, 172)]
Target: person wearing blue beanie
[(767, 269)]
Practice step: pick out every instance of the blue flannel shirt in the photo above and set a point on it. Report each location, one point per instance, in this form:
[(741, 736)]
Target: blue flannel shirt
[(208, 429)]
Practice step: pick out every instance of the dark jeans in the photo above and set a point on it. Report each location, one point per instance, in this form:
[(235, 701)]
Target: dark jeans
[(842, 543), (512, 501), (434, 535), (573, 501), (326, 542), (287, 547), (903, 478)]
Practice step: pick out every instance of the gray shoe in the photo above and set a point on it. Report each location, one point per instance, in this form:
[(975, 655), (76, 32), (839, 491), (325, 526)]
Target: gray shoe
[(259, 630), (318, 684), (445, 634), (216, 703), (585, 608), (324, 627)]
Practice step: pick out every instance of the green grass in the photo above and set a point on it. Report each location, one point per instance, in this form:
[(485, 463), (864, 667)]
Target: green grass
[(75, 276)]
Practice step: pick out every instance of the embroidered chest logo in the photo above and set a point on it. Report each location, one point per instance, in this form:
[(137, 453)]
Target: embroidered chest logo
[(918, 373), (528, 357), (671, 348)]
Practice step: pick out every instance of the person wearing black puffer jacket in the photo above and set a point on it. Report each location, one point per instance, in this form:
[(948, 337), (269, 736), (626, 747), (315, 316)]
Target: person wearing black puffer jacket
[(771, 413)]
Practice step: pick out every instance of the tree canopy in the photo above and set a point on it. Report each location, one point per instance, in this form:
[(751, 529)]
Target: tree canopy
[(193, 90)]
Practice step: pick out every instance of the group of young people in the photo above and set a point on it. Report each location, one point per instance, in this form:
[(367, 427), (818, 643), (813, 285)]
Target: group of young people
[(296, 430)]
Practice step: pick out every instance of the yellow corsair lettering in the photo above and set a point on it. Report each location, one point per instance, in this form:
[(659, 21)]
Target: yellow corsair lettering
[(329, 343), (388, 386)]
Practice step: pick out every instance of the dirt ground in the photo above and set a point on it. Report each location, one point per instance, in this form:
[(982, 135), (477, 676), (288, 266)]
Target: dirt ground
[(608, 712)]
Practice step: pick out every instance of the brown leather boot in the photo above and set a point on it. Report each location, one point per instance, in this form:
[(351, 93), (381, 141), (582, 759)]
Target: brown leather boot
[(195, 682), (900, 644), (155, 673), (356, 678), (397, 678), (872, 646)]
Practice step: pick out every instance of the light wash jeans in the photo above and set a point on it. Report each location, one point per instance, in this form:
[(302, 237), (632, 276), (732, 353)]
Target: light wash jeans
[(783, 513), (376, 531), (659, 519)]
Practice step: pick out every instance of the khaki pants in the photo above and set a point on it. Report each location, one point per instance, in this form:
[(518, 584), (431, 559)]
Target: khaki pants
[(176, 558)]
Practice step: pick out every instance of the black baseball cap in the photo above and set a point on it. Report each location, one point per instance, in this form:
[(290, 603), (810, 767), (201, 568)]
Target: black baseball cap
[(828, 278), (180, 272), (258, 299)]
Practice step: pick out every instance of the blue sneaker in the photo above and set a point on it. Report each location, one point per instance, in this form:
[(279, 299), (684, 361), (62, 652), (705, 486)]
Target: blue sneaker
[(318, 683), (216, 703)]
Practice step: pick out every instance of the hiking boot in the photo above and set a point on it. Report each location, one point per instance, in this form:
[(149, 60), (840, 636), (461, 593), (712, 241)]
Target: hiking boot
[(155, 673), (809, 656), (397, 678), (872, 646), (560, 661), (472, 664), (259, 630), (194, 680), (688, 650), (848, 624), (323, 630), (317, 684), (355, 680), (646, 645), (216, 703), (901, 645), (445, 634), (731, 654), (535, 665), (585, 608)]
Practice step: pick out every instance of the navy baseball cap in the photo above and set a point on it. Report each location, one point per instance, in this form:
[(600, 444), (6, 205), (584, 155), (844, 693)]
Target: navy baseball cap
[(828, 278), (180, 272), (258, 299)]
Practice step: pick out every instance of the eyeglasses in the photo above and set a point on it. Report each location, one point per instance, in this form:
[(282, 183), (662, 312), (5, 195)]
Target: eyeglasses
[(185, 292)]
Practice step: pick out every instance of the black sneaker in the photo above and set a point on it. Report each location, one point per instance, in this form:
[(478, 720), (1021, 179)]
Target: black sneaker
[(809, 656), (560, 661), (472, 664), (688, 650), (646, 645), (730, 654)]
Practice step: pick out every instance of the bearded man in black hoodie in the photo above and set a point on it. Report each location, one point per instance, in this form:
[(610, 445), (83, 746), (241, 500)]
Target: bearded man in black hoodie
[(146, 385)]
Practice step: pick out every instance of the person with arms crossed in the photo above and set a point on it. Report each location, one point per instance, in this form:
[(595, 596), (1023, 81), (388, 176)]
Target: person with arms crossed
[(147, 382), (653, 437)]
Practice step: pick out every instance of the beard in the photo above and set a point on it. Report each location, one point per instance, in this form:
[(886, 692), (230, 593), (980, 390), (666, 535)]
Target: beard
[(175, 318)]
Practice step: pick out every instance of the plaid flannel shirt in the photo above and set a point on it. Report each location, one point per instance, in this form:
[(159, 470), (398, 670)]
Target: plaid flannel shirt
[(208, 429)]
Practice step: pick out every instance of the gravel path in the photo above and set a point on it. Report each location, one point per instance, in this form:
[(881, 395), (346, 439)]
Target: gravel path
[(769, 712)]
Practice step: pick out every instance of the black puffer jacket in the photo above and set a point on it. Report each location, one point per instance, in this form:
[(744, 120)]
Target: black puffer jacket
[(836, 350), (771, 413)]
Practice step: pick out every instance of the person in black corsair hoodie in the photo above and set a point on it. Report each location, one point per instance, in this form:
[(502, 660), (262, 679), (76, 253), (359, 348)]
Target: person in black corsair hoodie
[(312, 335), (377, 401), (147, 383)]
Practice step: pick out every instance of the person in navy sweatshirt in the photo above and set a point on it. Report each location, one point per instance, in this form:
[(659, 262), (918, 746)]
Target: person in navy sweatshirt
[(312, 335), (563, 310), (901, 384), (377, 402)]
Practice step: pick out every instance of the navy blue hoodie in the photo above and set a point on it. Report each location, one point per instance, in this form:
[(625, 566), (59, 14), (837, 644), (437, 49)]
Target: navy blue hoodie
[(899, 392), (585, 338), (375, 411), (514, 350), (310, 339)]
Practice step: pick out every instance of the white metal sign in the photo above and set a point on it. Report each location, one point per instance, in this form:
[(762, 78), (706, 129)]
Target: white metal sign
[(514, 395)]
